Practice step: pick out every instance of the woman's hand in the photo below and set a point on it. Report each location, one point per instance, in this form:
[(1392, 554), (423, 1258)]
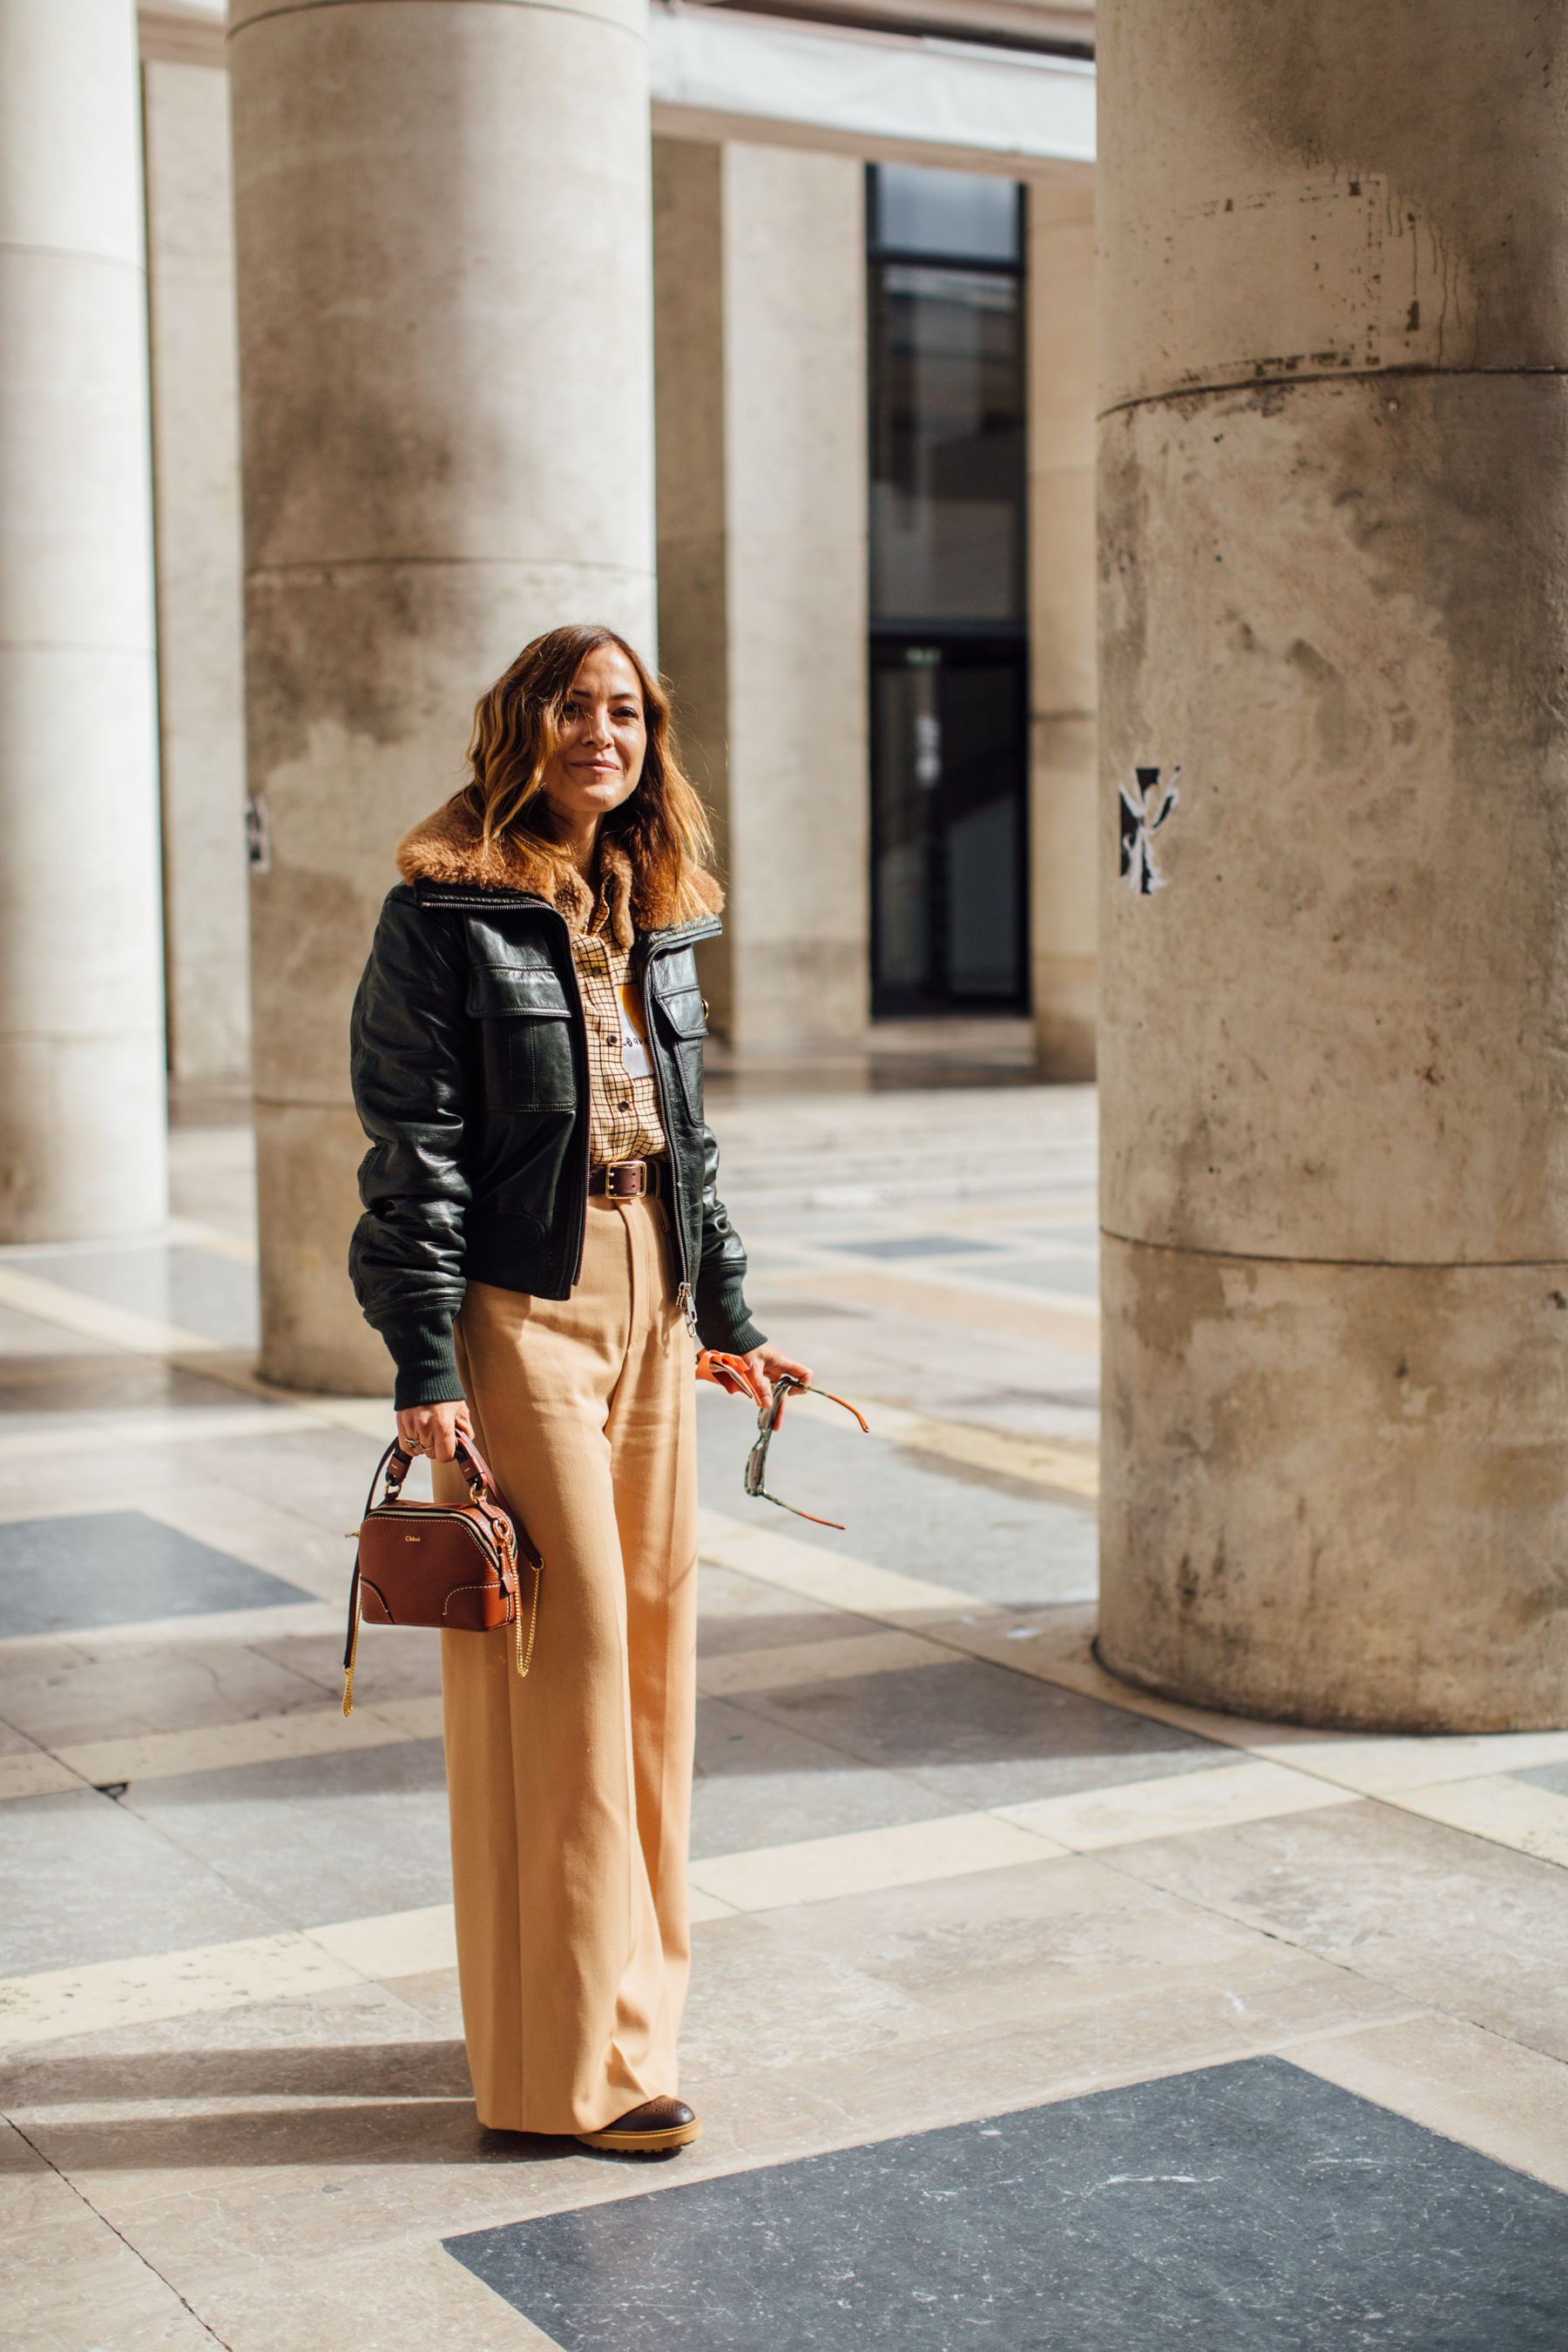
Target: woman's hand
[(434, 1429), (765, 1364)]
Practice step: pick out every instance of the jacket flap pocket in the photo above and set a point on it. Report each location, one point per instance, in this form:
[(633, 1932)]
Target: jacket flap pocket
[(685, 1012), (504, 990)]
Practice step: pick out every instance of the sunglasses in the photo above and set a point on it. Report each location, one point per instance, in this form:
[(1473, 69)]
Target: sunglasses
[(768, 1421)]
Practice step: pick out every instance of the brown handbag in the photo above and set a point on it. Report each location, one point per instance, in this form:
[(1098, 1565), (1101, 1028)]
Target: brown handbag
[(438, 1564)]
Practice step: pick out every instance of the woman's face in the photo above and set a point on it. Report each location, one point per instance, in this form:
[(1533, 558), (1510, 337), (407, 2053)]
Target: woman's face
[(603, 736)]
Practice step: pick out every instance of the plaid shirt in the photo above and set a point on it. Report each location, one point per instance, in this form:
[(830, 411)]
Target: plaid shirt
[(623, 1111)]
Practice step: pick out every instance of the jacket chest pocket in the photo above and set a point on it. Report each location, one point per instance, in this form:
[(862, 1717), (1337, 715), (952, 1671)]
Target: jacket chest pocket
[(525, 1035), (683, 1017)]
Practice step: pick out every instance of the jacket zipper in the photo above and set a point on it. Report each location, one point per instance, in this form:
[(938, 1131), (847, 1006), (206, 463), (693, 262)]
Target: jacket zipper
[(580, 1049), (686, 1304)]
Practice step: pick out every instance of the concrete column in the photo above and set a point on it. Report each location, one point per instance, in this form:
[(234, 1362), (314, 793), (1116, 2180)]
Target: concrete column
[(81, 1023), (201, 679), (689, 379), (1063, 765), (1334, 459), (763, 471), (442, 212)]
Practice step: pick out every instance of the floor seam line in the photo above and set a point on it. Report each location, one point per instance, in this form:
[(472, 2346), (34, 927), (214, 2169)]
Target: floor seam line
[(114, 2230)]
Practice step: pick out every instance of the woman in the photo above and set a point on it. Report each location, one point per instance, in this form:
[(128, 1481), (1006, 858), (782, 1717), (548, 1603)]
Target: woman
[(541, 1240)]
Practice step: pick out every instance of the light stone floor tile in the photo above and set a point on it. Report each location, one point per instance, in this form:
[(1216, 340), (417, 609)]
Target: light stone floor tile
[(1480, 2088), (33, 1338), (1074, 1466), (396, 1663), (31, 1773), (1390, 1768), (1060, 1947), (763, 2002), (73, 1435), (832, 1580), (1509, 1812), (340, 2038), (1143, 1809), (71, 2284), (95, 1319), (106, 1995), (404, 1944), (378, 2298), (1442, 1917), (308, 1731), (786, 1664), (118, 1683), (949, 1300), (820, 1868)]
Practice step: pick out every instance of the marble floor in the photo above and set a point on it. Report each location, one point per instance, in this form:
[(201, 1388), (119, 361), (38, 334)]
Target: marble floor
[(1208, 2033)]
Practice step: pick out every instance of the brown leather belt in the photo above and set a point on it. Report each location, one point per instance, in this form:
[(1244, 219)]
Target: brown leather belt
[(627, 1179)]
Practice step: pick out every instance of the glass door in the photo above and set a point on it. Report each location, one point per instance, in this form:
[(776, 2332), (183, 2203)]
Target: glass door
[(948, 742), (950, 687)]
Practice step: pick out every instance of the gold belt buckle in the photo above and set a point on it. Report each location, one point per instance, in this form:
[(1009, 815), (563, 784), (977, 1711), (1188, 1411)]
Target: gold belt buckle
[(634, 1170)]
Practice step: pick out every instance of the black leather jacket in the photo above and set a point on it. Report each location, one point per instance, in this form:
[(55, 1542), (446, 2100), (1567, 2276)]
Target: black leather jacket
[(470, 1076)]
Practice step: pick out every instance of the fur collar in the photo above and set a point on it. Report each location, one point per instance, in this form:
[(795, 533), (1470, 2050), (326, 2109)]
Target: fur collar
[(449, 847)]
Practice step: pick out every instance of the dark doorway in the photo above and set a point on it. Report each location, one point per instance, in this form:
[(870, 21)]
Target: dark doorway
[(948, 742), (949, 662)]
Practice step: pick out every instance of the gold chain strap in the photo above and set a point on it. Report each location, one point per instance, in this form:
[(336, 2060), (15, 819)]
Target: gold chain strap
[(523, 1663)]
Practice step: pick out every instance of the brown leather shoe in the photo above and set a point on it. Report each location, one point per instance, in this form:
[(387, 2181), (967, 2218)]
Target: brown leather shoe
[(656, 2128)]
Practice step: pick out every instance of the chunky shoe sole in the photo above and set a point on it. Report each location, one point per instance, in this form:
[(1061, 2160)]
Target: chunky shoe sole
[(645, 2143)]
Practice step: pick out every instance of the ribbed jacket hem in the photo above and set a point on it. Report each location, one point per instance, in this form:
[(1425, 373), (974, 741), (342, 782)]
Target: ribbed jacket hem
[(724, 1320)]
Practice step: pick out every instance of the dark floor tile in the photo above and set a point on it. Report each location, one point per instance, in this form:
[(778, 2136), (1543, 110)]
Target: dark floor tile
[(1077, 1276), (1243, 2206), (1547, 1776), (86, 1880), (316, 1838), (116, 1568), (760, 1782), (978, 1735)]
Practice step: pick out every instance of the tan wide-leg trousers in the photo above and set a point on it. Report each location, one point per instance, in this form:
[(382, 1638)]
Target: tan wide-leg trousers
[(571, 1791)]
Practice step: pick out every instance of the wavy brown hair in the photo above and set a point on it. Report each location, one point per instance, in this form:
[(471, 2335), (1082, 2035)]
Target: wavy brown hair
[(662, 827)]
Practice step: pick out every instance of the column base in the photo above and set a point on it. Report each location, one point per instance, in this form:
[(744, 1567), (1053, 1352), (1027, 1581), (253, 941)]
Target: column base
[(1337, 1494)]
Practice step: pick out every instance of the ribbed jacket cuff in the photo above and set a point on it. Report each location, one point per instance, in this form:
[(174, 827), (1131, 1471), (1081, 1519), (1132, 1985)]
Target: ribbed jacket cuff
[(421, 1347), (724, 1320)]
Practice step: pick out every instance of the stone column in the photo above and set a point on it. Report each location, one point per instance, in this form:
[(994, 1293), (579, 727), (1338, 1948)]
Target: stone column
[(82, 1019), (693, 608), (201, 680), (761, 394), (1334, 1047), (1063, 766), (446, 361)]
